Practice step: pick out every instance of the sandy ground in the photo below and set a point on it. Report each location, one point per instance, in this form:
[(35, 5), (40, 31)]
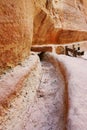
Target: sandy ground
[(48, 111), (60, 102), (17, 91), (75, 71)]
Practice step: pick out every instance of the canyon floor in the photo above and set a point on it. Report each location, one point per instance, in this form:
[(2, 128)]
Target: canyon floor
[(60, 102), (55, 99), (48, 112)]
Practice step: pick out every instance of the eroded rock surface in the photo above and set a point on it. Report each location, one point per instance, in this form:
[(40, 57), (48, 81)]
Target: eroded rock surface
[(16, 30), (17, 93), (47, 21), (44, 22), (60, 21)]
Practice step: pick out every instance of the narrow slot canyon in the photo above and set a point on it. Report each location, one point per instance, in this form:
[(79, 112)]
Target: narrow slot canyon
[(43, 64)]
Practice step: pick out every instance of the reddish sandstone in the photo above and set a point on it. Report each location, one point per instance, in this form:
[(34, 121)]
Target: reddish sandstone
[(16, 30)]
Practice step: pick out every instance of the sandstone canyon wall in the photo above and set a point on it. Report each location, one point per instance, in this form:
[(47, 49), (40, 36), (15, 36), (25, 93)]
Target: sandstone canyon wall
[(43, 22), (60, 21), (16, 31), (23, 22), (18, 68)]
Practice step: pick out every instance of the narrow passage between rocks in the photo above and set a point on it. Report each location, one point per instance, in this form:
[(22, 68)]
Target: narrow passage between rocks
[(48, 112)]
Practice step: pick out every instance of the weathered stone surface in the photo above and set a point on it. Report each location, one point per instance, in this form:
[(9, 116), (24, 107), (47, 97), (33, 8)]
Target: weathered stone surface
[(60, 21), (59, 50), (41, 48), (83, 46), (16, 30), (17, 92), (54, 22), (48, 48)]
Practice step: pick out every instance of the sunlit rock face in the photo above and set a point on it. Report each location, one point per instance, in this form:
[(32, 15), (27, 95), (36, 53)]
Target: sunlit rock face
[(43, 21), (60, 21), (16, 30)]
